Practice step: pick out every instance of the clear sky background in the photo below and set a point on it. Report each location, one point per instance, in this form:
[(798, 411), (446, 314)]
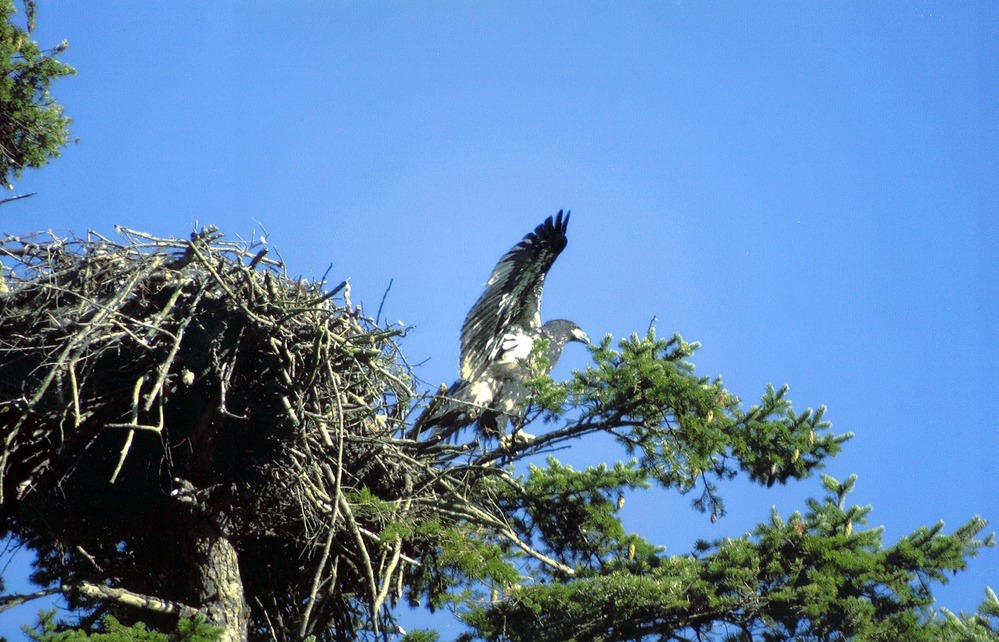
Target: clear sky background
[(811, 190)]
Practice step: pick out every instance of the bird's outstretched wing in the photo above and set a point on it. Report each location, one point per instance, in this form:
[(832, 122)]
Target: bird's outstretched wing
[(512, 297)]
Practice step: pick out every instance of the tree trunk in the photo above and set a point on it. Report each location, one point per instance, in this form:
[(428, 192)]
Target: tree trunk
[(218, 586)]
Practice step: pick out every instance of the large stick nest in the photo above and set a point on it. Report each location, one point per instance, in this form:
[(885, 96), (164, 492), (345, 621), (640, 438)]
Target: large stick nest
[(134, 373)]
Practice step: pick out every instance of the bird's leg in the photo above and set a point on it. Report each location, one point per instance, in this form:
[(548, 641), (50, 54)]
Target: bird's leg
[(517, 436)]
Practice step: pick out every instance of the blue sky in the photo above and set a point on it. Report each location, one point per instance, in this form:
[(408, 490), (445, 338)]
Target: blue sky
[(808, 189)]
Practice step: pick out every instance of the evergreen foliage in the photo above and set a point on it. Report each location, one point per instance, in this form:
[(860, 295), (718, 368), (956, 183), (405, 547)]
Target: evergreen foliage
[(33, 128), (187, 630), (812, 576), (982, 626)]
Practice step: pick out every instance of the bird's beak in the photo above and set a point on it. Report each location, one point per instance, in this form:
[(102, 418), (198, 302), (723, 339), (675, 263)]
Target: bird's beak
[(580, 336)]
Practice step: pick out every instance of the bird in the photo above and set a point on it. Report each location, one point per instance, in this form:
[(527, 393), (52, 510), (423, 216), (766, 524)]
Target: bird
[(498, 338)]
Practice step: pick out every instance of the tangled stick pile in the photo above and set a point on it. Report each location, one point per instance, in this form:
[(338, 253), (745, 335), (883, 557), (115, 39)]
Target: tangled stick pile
[(138, 372)]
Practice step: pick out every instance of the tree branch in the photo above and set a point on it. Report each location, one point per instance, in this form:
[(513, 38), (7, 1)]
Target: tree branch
[(10, 601), (135, 600), (98, 592)]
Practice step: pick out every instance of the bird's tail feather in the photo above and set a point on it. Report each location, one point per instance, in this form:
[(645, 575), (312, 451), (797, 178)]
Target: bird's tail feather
[(448, 412)]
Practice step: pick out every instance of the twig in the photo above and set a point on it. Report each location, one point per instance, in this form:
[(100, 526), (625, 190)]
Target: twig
[(11, 199), (89, 558), (387, 574), (368, 568), (131, 433), (303, 627), (378, 315), (10, 601), (75, 388)]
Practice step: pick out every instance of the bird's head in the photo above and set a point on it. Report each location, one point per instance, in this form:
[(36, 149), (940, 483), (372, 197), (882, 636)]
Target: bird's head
[(563, 331)]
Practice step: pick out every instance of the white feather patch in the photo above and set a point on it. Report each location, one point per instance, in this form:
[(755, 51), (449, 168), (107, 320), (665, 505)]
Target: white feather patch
[(482, 391)]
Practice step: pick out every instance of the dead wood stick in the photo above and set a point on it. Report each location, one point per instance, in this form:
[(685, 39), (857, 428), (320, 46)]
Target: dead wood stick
[(365, 557), (130, 598), (75, 388), (154, 323), (131, 433), (165, 366), (316, 582), (11, 199), (290, 411), (161, 242), (387, 574), (98, 592)]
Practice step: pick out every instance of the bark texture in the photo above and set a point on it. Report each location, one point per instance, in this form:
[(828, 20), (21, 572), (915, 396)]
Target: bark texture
[(218, 585)]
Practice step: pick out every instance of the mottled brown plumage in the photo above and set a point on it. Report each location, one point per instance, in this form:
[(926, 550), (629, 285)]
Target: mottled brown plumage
[(499, 334)]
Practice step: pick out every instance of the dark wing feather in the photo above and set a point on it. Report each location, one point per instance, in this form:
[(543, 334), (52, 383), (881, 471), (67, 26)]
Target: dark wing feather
[(513, 295)]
